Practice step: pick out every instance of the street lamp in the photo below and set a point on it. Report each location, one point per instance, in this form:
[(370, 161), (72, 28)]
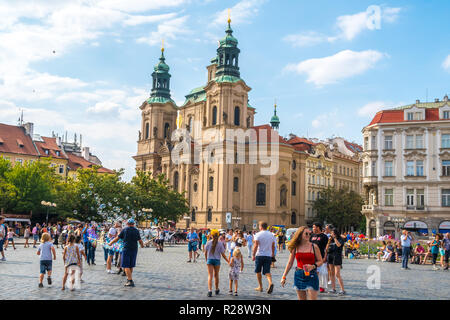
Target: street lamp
[(150, 210), (397, 221), (48, 205)]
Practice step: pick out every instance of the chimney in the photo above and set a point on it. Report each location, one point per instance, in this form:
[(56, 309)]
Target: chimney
[(417, 101), (29, 128), (85, 153), (436, 100)]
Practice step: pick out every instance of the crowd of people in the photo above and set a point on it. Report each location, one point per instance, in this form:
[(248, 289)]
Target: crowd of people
[(318, 252)]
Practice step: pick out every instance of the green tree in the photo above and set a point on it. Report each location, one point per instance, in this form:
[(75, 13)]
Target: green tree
[(340, 207)]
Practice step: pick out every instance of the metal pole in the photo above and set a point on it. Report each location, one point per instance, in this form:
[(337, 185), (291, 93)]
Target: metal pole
[(46, 219)]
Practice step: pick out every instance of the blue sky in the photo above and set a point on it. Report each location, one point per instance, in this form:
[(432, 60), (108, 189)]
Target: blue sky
[(84, 65)]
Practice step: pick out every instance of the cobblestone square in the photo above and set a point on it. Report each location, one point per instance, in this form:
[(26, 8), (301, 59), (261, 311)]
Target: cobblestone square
[(168, 276)]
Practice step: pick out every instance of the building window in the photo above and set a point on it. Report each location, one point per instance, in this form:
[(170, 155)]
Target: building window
[(260, 194), (175, 180), (420, 199), (446, 168), (388, 197), (446, 197), (283, 196), (166, 130), (410, 197), (410, 168), (419, 141), (313, 179), (409, 142), (19, 161), (237, 116), (293, 218), (366, 144), (214, 116), (373, 144), (366, 169), (209, 215), (294, 188), (410, 116), (374, 168), (294, 165), (195, 187), (211, 184), (419, 168), (446, 114), (388, 172), (313, 196), (388, 142), (445, 141), (147, 130), (235, 184), (193, 215), (61, 168)]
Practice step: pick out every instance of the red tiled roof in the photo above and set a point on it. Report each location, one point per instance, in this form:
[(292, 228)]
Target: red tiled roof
[(77, 162), (391, 116), (270, 132), (353, 146), (51, 145), (12, 136)]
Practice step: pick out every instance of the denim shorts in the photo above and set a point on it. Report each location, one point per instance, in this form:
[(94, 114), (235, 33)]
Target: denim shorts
[(110, 252), (263, 262), (35, 237), (213, 262), (46, 265), (192, 246), (302, 282), (10, 239)]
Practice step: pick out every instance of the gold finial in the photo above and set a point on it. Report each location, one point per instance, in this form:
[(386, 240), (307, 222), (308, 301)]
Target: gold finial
[(275, 104), (162, 45), (229, 16)]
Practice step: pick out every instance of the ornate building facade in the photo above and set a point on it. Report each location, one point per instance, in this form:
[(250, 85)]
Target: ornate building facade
[(406, 169)]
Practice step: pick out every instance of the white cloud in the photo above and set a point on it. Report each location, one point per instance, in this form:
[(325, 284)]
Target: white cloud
[(370, 109), (446, 63), (342, 65), (169, 29), (327, 120), (242, 12), (139, 5), (348, 26), (135, 20)]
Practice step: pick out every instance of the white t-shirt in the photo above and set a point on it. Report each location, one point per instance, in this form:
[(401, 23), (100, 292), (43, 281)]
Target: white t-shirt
[(112, 233), (2, 232), (265, 239), (229, 237)]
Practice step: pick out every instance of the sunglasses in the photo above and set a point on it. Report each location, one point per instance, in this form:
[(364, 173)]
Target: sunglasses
[(307, 233)]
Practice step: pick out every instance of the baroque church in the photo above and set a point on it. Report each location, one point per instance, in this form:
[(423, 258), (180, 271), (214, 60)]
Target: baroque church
[(221, 194)]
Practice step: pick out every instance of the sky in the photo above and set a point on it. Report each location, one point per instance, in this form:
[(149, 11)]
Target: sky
[(84, 66)]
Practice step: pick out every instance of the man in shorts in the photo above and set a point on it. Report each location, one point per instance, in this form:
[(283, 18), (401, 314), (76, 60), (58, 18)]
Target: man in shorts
[(193, 239), (130, 237), (112, 234), (321, 239), (263, 251)]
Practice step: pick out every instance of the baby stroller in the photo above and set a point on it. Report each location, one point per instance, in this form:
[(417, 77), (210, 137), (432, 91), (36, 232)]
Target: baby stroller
[(355, 254)]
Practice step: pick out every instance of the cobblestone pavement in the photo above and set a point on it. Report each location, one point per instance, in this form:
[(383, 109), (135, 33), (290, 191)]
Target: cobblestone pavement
[(166, 275)]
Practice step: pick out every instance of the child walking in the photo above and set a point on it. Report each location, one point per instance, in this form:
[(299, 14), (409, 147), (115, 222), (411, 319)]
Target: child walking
[(10, 238), (71, 257), (82, 254), (45, 250), (236, 264)]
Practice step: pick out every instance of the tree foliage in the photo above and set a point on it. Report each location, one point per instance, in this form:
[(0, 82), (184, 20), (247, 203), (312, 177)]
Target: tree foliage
[(339, 207)]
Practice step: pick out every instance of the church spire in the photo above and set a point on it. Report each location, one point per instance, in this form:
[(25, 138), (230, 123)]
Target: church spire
[(275, 121), (228, 54), (161, 77)]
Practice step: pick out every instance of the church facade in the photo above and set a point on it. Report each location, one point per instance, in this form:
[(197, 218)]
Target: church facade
[(222, 193)]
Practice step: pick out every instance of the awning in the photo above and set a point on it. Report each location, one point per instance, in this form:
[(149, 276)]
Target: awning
[(18, 220), (415, 225), (444, 225)]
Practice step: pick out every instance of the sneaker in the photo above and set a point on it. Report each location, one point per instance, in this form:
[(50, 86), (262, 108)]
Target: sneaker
[(120, 271), (235, 294), (329, 282), (104, 263), (332, 291), (209, 294), (230, 293), (93, 263), (341, 293), (49, 281), (41, 285), (124, 274), (436, 268), (3, 259), (217, 291), (129, 283), (189, 260)]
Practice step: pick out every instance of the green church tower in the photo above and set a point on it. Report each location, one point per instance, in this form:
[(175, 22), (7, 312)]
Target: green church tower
[(228, 55)]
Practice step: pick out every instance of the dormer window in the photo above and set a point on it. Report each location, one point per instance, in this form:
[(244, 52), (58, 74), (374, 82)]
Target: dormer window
[(20, 143), (410, 116), (414, 114), (47, 152), (58, 153), (446, 115), (444, 112), (1, 141)]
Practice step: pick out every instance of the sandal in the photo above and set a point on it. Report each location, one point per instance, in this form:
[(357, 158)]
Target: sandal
[(270, 290)]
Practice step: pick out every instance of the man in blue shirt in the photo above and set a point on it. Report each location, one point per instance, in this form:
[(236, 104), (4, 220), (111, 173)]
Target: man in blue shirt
[(192, 237), (406, 239), (130, 236)]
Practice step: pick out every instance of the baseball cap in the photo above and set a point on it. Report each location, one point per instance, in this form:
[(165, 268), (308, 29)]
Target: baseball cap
[(131, 221)]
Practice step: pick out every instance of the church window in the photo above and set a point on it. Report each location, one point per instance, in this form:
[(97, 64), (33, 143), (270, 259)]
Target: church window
[(193, 215), (235, 184), (294, 188), (214, 116), (260, 194), (147, 126), (175, 180), (211, 184), (195, 187), (283, 196), (209, 215), (293, 218), (294, 165), (237, 116), (166, 130)]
